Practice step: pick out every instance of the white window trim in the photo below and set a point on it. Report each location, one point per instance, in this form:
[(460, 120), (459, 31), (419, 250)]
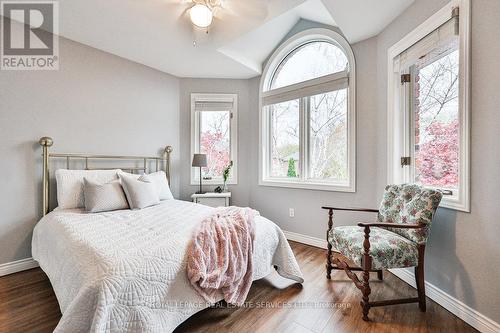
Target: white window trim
[(195, 178), (395, 125), (316, 34)]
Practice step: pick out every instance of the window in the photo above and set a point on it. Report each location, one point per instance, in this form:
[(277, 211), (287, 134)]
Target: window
[(435, 119), (214, 133), (285, 142), (307, 114), (298, 67), (430, 101)]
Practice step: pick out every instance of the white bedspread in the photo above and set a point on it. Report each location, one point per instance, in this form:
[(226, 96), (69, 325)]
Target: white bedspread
[(124, 271)]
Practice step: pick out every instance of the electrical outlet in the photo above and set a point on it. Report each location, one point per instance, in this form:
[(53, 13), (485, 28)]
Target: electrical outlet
[(291, 212)]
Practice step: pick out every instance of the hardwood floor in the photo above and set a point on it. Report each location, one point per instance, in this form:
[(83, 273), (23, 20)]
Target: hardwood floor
[(28, 304)]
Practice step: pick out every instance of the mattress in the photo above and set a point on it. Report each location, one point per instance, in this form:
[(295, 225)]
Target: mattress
[(125, 271)]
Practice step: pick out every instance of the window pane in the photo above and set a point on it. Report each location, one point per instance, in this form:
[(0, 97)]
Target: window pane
[(328, 136), (436, 119), (307, 62), (215, 141), (284, 139)]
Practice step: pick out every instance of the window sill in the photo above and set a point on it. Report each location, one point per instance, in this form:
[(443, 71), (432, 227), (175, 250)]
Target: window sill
[(454, 204), (309, 185)]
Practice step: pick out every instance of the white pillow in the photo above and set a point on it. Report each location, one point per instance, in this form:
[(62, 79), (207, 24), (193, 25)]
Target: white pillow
[(103, 197), (70, 185), (159, 179), (140, 192)]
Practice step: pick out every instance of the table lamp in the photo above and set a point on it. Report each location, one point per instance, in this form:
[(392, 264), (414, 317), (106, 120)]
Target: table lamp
[(199, 160)]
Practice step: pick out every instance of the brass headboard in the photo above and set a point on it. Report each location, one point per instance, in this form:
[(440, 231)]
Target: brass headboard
[(46, 142)]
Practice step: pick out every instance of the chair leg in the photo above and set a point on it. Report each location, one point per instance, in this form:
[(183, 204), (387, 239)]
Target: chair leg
[(329, 262), (419, 277), (380, 275), (367, 265), (366, 293), (328, 272), (329, 251)]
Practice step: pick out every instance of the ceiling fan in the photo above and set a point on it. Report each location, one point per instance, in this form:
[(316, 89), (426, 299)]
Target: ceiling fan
[(202, 12)]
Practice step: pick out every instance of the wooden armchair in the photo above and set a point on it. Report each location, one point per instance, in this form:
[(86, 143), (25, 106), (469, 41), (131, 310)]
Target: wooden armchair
[(396, 240)]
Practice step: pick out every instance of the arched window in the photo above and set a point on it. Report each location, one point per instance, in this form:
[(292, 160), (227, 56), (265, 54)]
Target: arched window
[(307, 113), (309, 61)]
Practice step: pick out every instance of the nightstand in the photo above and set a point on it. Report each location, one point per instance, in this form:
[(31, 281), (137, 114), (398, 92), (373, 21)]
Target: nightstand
[(212, 199)]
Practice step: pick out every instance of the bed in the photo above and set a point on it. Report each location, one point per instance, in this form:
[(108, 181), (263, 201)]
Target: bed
[(124, 271)]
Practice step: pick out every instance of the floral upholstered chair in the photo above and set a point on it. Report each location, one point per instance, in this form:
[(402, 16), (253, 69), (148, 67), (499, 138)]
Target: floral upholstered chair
[(396, 240)]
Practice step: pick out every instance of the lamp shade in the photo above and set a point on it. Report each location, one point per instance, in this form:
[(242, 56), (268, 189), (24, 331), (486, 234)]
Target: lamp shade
[(199, 160)]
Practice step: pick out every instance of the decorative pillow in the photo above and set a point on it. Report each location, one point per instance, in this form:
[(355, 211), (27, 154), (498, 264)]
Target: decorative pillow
[(159, 179), (103, 197), (141, 192), (70, 185)]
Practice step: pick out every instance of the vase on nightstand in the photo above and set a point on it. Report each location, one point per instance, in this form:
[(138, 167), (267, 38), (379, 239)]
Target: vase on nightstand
[(225, 176)]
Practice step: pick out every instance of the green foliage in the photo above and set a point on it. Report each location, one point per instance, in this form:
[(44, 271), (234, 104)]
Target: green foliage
[(227, 170), (291, 168)]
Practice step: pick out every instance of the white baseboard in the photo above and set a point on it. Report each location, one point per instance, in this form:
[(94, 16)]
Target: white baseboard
[(293, 236), (450, 303), (458, 308), (17, 266)]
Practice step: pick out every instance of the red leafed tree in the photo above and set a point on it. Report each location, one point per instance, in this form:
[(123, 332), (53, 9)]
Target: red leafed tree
[(437, 158), (437, 129), (217, 149)]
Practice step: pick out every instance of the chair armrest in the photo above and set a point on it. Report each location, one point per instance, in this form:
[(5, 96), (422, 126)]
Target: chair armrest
[(391, 225), (370, 210)]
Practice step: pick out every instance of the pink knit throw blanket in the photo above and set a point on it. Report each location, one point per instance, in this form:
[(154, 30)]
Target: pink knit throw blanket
[(220, 255)]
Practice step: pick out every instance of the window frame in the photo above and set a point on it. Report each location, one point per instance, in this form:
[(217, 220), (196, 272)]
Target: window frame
[(397, 123), (233, 129), (281, 53)]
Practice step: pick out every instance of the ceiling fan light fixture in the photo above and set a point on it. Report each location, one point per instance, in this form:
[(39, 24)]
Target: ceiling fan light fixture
[(201, 15)]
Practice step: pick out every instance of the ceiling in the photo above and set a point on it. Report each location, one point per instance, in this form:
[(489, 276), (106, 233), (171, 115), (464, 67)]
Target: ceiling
[(159, 34)]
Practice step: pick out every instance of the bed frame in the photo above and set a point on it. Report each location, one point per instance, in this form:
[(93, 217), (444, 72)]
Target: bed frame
[(47, 142)]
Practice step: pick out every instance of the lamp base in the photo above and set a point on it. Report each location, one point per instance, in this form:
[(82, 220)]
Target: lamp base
[(200, 192)]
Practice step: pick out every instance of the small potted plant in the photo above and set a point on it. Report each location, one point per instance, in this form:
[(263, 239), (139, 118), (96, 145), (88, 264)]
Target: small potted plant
[(225, 177)]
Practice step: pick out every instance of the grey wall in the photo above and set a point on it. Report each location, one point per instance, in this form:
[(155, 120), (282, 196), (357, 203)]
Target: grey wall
[(463, 254), (95, 103), (240, 192)]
